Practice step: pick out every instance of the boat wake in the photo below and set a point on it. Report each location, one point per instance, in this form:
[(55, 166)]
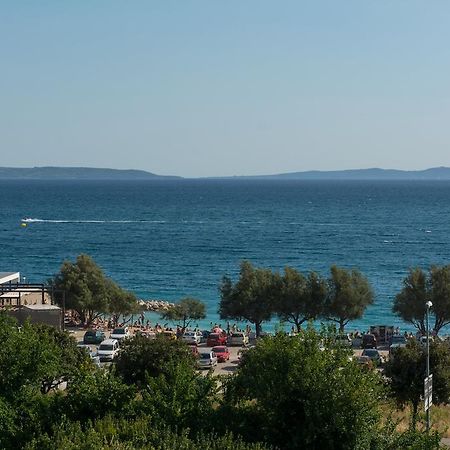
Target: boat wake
[(33, 220)]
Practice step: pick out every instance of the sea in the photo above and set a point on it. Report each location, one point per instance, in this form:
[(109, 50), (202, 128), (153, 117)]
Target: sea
[(168, 239)]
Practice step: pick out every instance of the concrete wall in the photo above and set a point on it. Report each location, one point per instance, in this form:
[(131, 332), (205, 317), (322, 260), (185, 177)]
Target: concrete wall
[(52, 317)]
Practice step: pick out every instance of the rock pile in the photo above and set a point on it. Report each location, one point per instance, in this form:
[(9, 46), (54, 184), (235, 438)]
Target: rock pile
[(155, 305)]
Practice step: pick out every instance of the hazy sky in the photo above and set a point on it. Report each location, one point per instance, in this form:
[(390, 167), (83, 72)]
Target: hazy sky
[(209, 87)]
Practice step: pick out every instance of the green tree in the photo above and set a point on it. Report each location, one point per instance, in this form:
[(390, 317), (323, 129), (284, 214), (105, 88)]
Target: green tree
[(89, 292), (291, 394), (410, 302), (120, 302), (407, 369), (420, 287), (111, 433), (349, 294), (96, 394), (439, 294), (140, 357), (185, 311), (181, 398), (251, 298), (38, 357), (299, 299)]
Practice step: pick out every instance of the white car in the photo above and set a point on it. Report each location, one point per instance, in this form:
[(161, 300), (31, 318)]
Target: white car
[(192, 337), (120, 333), (207, 360), (92, 353), (238, 338), (108, 350)]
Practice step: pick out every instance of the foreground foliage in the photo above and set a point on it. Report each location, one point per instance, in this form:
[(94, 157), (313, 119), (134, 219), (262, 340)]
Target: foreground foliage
[(289, 393)]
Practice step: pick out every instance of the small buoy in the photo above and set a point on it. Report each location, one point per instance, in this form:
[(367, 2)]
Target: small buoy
[(23, 224)]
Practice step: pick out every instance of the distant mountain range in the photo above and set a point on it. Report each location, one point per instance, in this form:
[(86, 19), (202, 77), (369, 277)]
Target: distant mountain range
[(436, 173), (88, 173), (77, 173)]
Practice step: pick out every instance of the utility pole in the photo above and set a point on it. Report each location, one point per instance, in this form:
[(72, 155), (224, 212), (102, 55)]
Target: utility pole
[(428, 380)]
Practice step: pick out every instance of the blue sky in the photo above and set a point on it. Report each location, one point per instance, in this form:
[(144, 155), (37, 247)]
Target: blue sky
[(199, 88)]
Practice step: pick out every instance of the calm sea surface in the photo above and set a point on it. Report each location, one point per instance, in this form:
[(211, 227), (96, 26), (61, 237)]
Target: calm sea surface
[(170, 239)]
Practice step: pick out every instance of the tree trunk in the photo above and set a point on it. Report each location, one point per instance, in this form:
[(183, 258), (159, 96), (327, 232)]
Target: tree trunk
[(341, 325), (258, 329), (415, 407)]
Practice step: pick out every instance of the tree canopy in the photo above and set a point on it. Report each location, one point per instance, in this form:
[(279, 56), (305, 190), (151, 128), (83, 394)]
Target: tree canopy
[(349, 294), (410, 302), (420, 287), (293, 395), (251, 298), (299, 298), (407, 370), (35, 357), (140, 357), (185, 311), (89, 292)]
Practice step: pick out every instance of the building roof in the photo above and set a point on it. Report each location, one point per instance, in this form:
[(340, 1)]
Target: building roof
[(41, 307), (9, 276)]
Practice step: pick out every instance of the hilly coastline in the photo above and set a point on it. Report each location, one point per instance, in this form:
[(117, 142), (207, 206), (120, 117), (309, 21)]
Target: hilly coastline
[(436, 173), (77, 173), (90, 173)]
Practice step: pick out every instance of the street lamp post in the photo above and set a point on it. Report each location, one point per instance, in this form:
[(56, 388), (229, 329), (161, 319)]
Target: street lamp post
[(428, 305)]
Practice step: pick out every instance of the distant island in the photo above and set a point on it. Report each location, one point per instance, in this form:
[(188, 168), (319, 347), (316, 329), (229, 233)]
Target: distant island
[(89, 173), (77, 173), (436, 173)]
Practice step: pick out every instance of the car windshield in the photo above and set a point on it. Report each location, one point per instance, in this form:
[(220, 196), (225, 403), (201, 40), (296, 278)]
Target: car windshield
[(370, 352), (398, 339), (205, 355), (237, 335), (118, 331), (214, 336), (105, 347), (90, 333), (189, 333), (219, 349)]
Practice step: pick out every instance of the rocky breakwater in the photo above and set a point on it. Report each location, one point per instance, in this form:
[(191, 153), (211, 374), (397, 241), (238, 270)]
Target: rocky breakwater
[(155, 305)]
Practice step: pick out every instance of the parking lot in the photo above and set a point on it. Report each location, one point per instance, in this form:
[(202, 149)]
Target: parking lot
[(222, 368)]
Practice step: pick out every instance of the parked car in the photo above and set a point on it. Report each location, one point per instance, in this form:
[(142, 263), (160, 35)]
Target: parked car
[(222, 352), (120, 333), (207, 360), (373, 354), (343, 340), (192, 336), (168, 334), (92, 353), (397, 341), (364, 361), (205, 334), (108, 350), (93, 337), (216, 339), (369, 341), (146, 334), (238, 338)]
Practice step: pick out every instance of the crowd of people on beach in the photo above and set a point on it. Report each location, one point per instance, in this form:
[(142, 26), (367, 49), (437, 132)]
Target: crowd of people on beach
[(145, 325)]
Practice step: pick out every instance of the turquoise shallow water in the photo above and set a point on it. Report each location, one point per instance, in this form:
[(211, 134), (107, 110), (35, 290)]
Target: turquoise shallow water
[(169, 239)]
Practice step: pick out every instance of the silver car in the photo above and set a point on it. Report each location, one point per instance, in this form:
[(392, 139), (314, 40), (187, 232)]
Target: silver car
[(207, 360)]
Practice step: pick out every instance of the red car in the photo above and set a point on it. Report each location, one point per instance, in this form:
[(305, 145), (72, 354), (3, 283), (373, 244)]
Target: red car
[(222, 353), (216, 339)]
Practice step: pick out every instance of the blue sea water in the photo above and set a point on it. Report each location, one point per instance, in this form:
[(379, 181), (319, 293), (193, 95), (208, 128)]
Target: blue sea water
[(170, 239)]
